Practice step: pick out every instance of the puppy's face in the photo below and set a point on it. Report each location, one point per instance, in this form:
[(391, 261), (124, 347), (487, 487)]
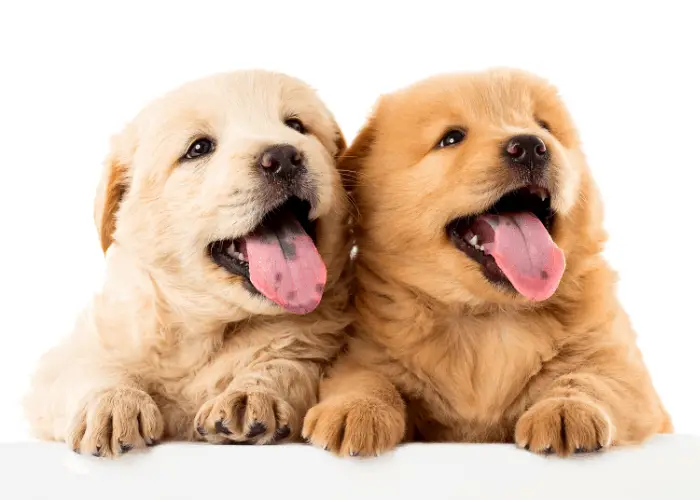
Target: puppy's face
[(227, 190), (473, 188)]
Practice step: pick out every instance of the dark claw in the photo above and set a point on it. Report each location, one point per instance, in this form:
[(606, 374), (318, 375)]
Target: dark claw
[(527, 447), (97, 453), (151, 441), (580, 449), (201, 430), (125, 447), (221, 428), (282, 432), (598, 447), (325, 448), (548, 450), (256, 429), (354, 453), (76, 450)]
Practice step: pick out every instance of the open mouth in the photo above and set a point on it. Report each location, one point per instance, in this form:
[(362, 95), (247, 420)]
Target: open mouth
[(512, 242), (278, 259)]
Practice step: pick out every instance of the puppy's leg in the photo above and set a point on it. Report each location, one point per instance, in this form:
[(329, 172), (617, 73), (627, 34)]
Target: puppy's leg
[(114, 421), (264, 404), (360, 413), (268, 397), (91, 404), (589, 404)]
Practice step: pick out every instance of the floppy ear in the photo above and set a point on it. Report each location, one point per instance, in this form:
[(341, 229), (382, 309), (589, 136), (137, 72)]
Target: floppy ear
[(110, 191), (351, 161), (340, 144), (360, 148)]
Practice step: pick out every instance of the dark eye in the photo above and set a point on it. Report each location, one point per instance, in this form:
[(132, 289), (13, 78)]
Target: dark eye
[(544, 125), (200, 147), (451, 138), (295, 124)]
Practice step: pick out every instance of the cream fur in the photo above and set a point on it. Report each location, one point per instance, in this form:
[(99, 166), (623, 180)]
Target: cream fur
[(173, 342)]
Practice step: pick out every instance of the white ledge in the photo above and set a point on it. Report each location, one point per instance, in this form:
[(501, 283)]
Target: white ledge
[(666, 467)]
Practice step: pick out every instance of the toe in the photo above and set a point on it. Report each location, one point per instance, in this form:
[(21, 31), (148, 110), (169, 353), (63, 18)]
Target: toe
[(256, 429)]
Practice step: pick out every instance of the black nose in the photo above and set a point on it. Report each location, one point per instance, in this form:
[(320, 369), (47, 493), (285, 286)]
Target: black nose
[(281, 160), (527, 151)]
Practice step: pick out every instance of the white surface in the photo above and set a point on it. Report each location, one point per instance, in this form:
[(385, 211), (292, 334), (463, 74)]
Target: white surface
[(667, 467), (74, 72)]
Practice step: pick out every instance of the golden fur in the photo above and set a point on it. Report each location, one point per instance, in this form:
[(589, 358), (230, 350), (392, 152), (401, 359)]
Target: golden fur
[(438, 353), (173, 343)]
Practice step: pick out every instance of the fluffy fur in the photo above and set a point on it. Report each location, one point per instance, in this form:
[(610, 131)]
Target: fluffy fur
[(438, 353), (175, 347)]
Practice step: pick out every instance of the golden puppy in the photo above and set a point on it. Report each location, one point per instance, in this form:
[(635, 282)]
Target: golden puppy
[(486, 312), (226, 222)]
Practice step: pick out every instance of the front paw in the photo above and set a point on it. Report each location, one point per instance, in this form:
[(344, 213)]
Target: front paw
[(564, 426), (355, 426), (115, 421), (255, 417)]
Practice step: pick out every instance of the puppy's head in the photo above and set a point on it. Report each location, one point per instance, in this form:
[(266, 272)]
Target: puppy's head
[(473, 188), (226, 191)]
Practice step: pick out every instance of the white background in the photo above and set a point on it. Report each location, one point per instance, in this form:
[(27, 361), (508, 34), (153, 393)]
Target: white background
[(72, 74)]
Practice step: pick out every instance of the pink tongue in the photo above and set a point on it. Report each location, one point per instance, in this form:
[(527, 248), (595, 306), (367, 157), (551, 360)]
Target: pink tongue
[(524, 251), (285, 266)]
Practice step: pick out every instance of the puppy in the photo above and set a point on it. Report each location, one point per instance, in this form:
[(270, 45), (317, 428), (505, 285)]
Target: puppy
[(224, 221), (486, 312)]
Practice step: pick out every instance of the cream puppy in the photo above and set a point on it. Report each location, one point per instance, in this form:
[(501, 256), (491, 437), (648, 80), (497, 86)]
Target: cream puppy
[(224, 221)]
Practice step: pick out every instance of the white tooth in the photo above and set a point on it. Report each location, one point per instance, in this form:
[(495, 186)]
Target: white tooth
[(474, 240), (231, 250), (481, 248)]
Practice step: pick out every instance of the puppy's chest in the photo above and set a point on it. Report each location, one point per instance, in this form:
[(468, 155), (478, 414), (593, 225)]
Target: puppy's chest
[(178, 366), (203, 367), (473, 371)]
